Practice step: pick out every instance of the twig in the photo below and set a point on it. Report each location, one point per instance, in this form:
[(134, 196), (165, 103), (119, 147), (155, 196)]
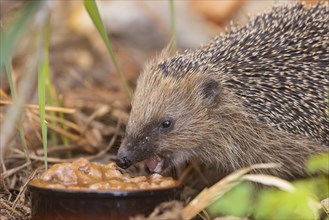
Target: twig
[(62, 131), (4, 95), (34, 126), (14, 170), (59, 148), (47, 108), (3, 166), (185, 173), (4, 185), (63, 121), (6, 206), (41, 158), (23, 188), (97, 113), (57, 160), (109, 146)]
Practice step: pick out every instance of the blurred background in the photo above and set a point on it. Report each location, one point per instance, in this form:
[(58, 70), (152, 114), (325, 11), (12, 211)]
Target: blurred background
[(91, 107)]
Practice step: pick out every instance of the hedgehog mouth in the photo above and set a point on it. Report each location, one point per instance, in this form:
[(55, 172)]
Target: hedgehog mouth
[(155, 163)]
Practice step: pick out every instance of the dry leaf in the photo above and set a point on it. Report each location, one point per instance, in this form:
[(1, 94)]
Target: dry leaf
[(270, 181), (325, 205), (209, 195)]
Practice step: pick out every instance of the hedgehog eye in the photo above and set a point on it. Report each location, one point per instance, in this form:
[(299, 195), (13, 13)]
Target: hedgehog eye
[(166, 124)]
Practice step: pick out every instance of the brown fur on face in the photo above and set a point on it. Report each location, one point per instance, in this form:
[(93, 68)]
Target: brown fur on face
[(185, 105), (219, 134)]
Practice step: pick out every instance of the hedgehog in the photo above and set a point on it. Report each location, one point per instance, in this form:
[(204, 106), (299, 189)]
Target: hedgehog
[(256, 94)]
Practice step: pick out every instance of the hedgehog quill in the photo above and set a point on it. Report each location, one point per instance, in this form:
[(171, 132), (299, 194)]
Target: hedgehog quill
[(257, 94)]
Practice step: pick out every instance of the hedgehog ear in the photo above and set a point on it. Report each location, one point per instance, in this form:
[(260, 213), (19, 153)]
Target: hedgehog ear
[(210, 92)]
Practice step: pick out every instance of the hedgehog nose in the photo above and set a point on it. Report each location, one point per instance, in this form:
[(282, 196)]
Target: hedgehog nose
[(123, 161)]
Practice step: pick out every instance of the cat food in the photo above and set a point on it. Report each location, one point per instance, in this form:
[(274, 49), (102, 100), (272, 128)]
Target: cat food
[(82, 174)]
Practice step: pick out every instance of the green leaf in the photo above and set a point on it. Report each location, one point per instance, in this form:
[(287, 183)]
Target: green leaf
[(236, 202), (321, 187), (276, 204), (96, 18), (317, 187), (319, 163)]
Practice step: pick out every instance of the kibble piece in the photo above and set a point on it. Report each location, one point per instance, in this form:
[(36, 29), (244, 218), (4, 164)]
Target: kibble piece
[(109, 174), (100, 186), (81, 164), (155, 176), (111, 166), (115, 184), (129, 186), (137, 179), (61, 173), (167, 183), (144, 185)]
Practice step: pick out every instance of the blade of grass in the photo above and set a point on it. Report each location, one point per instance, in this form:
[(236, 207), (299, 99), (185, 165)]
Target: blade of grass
[(41, 95), (50, 91), (10, 37), (10, 79), (65, 140), (20, 121), (173, 25), (26, 84), (42, 76), (14, 111), (93, 12)]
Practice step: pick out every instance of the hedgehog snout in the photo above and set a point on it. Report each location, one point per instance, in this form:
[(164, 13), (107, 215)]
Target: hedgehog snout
[(123, 160)]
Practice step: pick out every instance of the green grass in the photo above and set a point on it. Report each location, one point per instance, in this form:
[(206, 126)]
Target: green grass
[(49, 88), (10, 79), (173, 25), (10, 37), (13, 95), (50, 91), (43, 74), (95, 17)]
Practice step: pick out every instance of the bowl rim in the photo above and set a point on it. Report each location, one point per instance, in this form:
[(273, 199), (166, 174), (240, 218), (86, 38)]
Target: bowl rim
[(114, 192)]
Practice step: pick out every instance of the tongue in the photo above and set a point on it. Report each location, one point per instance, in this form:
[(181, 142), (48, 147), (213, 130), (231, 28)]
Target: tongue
[(154, 163)]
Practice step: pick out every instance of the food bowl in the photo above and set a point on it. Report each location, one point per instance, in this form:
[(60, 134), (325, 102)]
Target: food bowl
[(96, 204), (86, 190)]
